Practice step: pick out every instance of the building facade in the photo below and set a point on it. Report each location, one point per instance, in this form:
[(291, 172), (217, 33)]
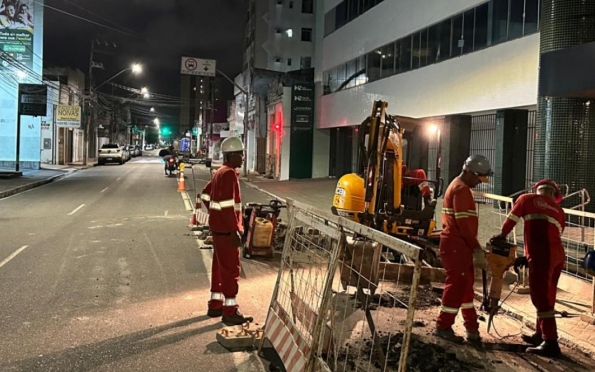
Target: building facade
[(279, 39), (195, 93), (469, 67)]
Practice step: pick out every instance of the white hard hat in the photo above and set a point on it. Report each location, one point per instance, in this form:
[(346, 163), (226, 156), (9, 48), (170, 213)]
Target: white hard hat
[(480, 165), (232, 144)]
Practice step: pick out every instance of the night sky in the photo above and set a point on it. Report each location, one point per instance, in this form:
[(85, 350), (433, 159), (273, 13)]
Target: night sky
[(162, 31)]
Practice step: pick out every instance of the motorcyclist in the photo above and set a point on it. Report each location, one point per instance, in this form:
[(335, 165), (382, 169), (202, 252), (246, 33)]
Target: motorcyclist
[(171, 152)]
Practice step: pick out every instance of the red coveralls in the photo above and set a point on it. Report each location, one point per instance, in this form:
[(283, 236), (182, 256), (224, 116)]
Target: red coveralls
[(543, 227), (223, 199), (420, 181), (457, 242)]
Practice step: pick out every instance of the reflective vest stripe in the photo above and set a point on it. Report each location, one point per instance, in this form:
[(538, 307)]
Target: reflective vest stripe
[(222, 204), (546, 314), (513, 217), (542, 216), (468, 305), (450, 310), (238, 207), (457, 215), (230, 302), (206, 197), (217, 296)]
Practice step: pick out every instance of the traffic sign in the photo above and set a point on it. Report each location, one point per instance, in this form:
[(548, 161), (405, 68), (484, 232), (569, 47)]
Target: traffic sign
[(33, 99), (197, 66)]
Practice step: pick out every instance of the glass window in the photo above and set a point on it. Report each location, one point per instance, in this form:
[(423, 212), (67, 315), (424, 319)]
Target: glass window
[(361, 70), (499, 21), (329, 22), (433, 43), (340, 75), (350, 74), (388, 60), (457, 35), (332, 78), (373, 67), (405, 54), (415, 51), (306, 62), (306, 34), (368, 4), (325, 82), (531, 16), (515, 27), (468, 25), (445, 40), (480, 39), (423, 51), (308, 6), (288, 61), (341, 15), (353, 9)]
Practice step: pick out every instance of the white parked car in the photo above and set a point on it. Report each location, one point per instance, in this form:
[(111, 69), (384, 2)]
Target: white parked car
[(111, 153)]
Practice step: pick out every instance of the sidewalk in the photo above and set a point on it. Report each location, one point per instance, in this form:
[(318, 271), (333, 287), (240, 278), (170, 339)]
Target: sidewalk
[(34, 178), (573, 331)]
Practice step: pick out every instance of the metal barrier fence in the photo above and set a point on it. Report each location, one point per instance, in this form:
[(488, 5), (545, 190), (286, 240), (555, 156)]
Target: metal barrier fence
[(335, 305)]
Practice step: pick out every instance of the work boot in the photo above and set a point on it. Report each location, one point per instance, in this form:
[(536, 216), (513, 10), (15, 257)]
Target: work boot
[(474, 338), (448, 334), (548, 348), (534, 339), (215, 313), (236, 319)]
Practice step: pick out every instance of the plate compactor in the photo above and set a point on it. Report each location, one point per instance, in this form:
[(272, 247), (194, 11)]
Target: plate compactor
[(500, 256)]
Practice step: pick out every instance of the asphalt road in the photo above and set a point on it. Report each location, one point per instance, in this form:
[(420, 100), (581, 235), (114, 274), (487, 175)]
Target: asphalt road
[(99, 272)]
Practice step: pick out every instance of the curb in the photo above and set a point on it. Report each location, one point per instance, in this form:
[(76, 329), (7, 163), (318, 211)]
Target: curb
[(563, 337), (250, 184), (32, 185)]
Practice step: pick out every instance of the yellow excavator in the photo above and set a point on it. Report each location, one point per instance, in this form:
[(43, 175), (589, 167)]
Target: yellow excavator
[(377, 196)]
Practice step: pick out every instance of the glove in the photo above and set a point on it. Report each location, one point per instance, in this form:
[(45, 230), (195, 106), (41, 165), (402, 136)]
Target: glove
[(498, 240), (520, 262), (479, 259)]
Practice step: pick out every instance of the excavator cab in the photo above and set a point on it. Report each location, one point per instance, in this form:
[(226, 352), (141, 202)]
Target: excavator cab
[(380, 195)]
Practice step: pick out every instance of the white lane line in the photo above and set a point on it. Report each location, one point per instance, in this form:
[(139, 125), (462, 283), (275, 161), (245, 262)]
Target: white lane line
[(13, 255), (186, 199), (104, 190), (76, 210)]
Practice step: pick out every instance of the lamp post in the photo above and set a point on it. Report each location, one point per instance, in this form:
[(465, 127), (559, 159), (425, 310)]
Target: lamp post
[(135, 68)]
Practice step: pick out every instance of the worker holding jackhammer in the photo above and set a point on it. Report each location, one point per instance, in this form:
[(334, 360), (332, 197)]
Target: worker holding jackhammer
[(223, 199), (544, 254), (460, 250)]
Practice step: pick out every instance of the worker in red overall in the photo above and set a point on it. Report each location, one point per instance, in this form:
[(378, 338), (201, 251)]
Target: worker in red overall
[(417, 177), (223, 200), (544, 254), (460, 250)]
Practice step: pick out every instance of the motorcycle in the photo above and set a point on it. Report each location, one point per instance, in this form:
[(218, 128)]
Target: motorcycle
[(171, 165)]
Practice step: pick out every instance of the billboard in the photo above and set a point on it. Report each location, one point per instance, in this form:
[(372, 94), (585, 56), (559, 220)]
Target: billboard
[(16, 31), (68, 116)]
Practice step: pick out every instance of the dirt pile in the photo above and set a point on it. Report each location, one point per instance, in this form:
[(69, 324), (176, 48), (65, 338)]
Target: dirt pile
[(425, 298), (423, 357)]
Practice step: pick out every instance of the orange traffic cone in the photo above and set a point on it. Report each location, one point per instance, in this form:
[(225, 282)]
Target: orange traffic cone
[(193, 219), (181, 183)]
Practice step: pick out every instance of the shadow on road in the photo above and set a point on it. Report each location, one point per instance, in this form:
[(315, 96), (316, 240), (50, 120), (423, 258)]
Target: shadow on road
[(90, 356)]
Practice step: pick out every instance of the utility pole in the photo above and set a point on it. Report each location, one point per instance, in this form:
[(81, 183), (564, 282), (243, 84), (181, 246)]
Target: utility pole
[(88, 113), (212, 91)]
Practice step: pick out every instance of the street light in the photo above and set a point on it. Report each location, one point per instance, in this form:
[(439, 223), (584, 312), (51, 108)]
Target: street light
[(152, 109), (156, 121), (135, 68)]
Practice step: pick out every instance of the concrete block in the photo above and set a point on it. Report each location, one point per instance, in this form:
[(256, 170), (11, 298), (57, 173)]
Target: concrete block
[(588, 318)]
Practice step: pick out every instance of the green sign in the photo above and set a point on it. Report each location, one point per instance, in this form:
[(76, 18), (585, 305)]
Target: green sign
[(302, 130)]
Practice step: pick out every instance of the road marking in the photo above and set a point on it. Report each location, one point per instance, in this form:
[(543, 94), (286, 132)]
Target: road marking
[(186, 199), (105, 189), (119, 178), (13, 255), (76, 210), (165, 214)]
